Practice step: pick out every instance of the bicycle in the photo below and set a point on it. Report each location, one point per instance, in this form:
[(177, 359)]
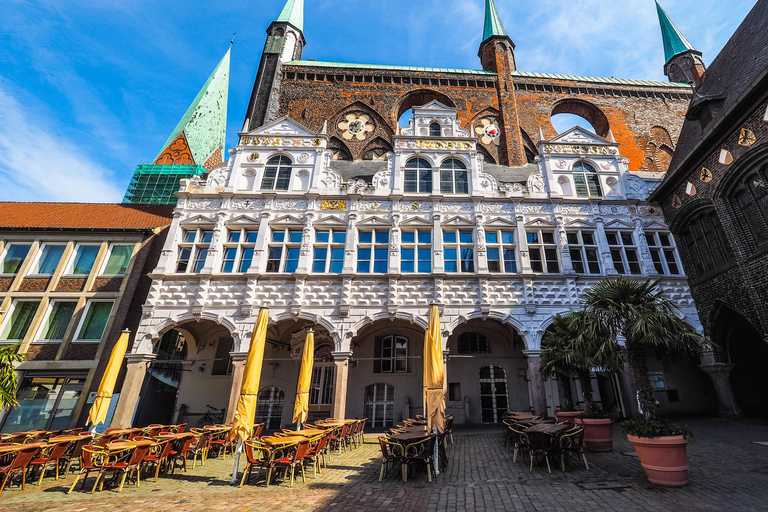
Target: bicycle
[(213, 416)]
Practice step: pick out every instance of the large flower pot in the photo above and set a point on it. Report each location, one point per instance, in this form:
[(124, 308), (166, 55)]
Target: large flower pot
[(663, 459), (598, 434), (567, 416)]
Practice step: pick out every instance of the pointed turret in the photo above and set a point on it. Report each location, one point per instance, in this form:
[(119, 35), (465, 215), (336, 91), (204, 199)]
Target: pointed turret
[(683, 62), (195, 145), (497, 51), (285, 42), (493, 25)]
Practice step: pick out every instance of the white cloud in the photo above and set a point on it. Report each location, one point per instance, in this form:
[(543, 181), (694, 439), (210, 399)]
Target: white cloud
[(39, 164)]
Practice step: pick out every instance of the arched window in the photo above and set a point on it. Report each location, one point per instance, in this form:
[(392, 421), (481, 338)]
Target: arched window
[(435, 130), (453, 177), (493, 393), (418, 176), (750, 199), (277, 174), (704, 242), (586, 180), (269, 407), (380, 405)]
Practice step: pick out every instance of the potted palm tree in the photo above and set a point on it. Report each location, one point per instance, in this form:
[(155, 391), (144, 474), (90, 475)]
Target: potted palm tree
[(555, 363), (8, 380), (644, 317)]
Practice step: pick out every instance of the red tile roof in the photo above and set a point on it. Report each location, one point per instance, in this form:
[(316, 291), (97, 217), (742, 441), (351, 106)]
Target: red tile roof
[(90, 216)]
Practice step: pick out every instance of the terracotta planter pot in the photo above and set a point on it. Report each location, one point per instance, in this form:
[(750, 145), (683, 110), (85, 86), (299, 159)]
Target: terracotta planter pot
[(567, 416), (598, 434), (664, 459)]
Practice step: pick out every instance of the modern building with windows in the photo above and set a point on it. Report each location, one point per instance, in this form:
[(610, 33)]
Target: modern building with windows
[(72, 277), (339, 219)]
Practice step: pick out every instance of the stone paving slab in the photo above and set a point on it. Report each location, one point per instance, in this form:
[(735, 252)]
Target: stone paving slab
[(728, 472)]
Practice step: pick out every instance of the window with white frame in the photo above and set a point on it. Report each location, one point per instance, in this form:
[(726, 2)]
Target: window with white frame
[(379, 404), (17, 321), (48, 259), (373, 251), (663, 252), (623, 251), (657, 381), (543, 251), (83, 260), (329, 251), (277, 173), (501, 251), (14, 257), (586, 180), (418, 176), (284, 250), (57, 320), (117, 260), (390, 354), (584, 253), (459, 250), (416, 251), (193, 249), (238, 250), (453, 177), (435, 129), (95, 320)]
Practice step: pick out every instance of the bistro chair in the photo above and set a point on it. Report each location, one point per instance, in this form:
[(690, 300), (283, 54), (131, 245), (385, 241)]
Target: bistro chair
[(391, 453), (572, 442), (219, 443), (74, 451), (258, 455), (258, 429), (133, 463), (293, 459), (92, 458), (316, 451), (179, 456), (49, 455), (540, 444), (422, 451), (200, 447), (158, 455), (18, 465), (362, 430)]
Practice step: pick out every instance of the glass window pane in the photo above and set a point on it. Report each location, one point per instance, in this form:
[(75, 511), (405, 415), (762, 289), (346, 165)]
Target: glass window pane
[(278, 236), (95, 321), (202, 254), (587, 238), (364, 265), (549, 238), (532, 238), (507, 237), (465, 237), (234, 236), (49, 259), (247, 259), (294, 236), (251, 236), (573, 238), (493, 254), (382, 237), (339, 237), (380, 267), (491, 237), (612, 240), (84, 259), (118, 261), (626, 238), (189, 236), (365, 237), (16, 327), (510, 263), (425, 237), (183, 261), (323, 236), (207, 236), (449, 237), (58, 320), (409, 237)]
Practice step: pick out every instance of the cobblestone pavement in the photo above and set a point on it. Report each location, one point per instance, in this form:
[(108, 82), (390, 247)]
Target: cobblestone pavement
[(728, 472)]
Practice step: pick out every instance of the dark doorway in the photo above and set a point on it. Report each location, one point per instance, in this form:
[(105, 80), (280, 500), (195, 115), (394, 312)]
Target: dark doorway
[(158, 393)]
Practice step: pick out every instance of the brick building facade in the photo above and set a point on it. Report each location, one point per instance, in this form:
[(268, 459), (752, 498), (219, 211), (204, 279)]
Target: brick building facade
[(715, 199)]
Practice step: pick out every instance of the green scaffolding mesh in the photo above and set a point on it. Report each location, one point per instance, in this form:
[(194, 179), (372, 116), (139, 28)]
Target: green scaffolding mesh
[(156, 184)]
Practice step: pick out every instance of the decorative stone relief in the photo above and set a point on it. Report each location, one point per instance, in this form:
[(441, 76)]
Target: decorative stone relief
[(375, 205), (303, 158), (607, 209), (488, 182), (330, 178), (333, 204), (247, 204), (289, 204), (218, 178), (535, 208), (536, 183), (457, 207), (356, 126), (204, 204), (498, 207)]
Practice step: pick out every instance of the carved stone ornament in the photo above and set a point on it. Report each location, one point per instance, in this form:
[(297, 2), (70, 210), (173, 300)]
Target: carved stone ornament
[(356, 126), (249, 173), (488, 131), (253, 157), (563, 179), (561, 164), (333, 204), (204, 204), (303, 158), (612, 181)]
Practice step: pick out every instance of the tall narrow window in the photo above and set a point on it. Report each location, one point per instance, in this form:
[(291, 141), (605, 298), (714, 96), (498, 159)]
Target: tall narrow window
[(95, 320), (583, 250), (501, 251), (238, 250), (473, 343), (49, 259), (82, 262), (391, 355), (586, 180), (416, 253), (373, 251), (193, 250), (329, 251), (14, 257), (705, 242), (459, 251), (269, 407), (418, 176), (453, 177), (118, 260), (663, 253), (543, 251), (284, 251), (494, 398), (59, 315), (623, 252), (379, 405), (751, 200), (434, 130), (18, 321), (277, 173)]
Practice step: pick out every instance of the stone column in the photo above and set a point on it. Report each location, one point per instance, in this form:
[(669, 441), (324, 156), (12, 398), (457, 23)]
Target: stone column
[(307, 245), (438, 258), (238, 367), (136, 370), (644, 252), (719, 373), (341, 360), (213, 260), (522, 246), (605, 251), (536, 382), (261, 250), (351, 245), (167, 261), (561, 239), (482, 251)]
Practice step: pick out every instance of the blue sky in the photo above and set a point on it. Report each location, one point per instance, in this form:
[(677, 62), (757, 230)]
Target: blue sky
[(89, 88)]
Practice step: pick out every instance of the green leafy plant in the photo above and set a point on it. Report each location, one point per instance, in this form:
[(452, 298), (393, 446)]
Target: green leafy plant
[(637, 311), (8, 380), (654, 428), (597, 413)]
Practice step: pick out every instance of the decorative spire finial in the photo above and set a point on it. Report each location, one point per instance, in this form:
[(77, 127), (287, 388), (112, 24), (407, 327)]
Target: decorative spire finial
[(674, 41), (493, 25)]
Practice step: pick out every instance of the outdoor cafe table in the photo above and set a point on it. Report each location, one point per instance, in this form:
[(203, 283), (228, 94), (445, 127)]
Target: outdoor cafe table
[(413, 430), (537, 421), (279, 441), (308, 432), (556, 429), (407, 437), (173, 436), (18, 447), (66, 439)]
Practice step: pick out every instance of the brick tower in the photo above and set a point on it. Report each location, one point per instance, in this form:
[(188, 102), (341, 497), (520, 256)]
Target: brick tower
[(683, 62)]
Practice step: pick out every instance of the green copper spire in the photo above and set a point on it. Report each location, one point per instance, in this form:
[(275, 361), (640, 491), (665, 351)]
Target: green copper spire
[(674, 41), (293, 13), (205, 122), (493, 26)]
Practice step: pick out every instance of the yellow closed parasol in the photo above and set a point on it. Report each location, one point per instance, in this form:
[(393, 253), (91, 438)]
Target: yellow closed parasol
[(301, 408), (100, 407)]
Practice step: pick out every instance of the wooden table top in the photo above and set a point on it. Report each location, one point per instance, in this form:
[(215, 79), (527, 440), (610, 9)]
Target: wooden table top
[(171, 435), (409, 436), (308, 432), (330, 424), (413, 430), (275, 441), (210, 428), (122, 431), (19, 447), (127, 445), (555, 429), (66, 439)]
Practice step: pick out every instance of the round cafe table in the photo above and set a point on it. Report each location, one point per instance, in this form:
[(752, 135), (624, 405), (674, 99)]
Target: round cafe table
[(308, 432), (281, 441), (408, 437)]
